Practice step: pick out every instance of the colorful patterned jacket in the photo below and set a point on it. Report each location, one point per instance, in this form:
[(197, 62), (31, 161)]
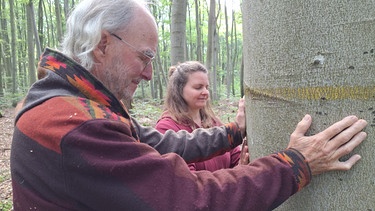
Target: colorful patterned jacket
[(75, 147)]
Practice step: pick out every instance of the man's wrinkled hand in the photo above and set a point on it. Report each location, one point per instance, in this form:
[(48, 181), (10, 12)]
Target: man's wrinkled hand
[(323, 150)]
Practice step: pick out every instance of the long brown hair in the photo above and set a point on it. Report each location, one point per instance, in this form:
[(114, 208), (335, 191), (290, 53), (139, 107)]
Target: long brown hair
[(175, 104)]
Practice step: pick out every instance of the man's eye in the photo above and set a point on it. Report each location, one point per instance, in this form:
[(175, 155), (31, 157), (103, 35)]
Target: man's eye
[(149, 55), (144, 59)]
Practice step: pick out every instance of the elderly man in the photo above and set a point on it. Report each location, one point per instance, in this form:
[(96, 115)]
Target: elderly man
[(75, 147)]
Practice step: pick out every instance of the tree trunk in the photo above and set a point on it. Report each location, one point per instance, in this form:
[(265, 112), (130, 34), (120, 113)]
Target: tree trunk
[(199, 31), (228, 65), (210, 64), (313, 57), (178, 31), (13, 46), (35, 30), (234, 50), (66, 9), (58, 20), (3, 59), (40, 23), (51, 40), (30, 42)]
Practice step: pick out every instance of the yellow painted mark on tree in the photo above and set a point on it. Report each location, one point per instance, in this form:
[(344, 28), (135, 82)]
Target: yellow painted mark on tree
[(315, 93)]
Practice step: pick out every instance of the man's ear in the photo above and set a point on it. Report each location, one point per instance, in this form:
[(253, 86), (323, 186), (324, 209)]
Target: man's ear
[(101, 49)]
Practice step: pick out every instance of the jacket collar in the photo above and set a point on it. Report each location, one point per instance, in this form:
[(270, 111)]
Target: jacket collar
[(82, 79)]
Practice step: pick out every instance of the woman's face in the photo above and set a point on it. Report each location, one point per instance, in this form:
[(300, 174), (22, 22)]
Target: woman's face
[(195, 92)]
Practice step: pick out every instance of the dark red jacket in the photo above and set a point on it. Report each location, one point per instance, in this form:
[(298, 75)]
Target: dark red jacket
[(75, 147)]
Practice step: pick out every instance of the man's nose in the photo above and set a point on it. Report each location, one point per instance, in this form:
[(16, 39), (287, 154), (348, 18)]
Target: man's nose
[(147, 72)]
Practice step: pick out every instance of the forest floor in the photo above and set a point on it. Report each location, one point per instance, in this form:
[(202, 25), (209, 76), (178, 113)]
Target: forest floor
[(145, 112), (6, 125)]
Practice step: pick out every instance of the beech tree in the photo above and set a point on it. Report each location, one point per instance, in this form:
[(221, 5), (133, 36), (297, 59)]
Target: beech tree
[(178, 31), (313, 57)]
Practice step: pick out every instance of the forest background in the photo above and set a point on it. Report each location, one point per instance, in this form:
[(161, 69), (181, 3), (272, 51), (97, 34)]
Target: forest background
[(209, 31), (300, 57)]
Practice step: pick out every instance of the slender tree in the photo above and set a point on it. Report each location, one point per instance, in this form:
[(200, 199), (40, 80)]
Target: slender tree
[(189, 43), (13, 46), (3, 61), (228, 65), (211, 51), (34, 29), (317, 58), (162, 57), (51, 26), (178, 31), (66, 9), (199, 31), (6, 40), (40, 23), (234, 52), (58, 20), (30, 41)]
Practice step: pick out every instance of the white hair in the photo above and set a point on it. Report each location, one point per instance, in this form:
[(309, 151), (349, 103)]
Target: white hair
[(88, 19)]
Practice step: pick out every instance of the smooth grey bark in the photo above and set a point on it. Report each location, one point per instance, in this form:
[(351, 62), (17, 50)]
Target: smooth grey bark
[(41, 22), (34, 28), (234, 50), (178, 31), (210, 55), (13, 46), (313, 57), (58, 20), (199, 31), (30, 43), (66, 10), (228, 65), (3, 59)]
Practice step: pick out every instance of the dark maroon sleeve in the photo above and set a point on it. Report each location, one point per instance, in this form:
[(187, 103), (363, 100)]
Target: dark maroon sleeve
[(165, 124), (235, 155), (110, 171)]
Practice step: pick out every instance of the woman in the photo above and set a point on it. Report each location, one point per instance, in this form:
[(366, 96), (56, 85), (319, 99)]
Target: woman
[(187, 107)]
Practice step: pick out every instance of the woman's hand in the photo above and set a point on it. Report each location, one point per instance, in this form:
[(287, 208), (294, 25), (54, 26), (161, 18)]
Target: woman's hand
[(241, 117), (244, 156)]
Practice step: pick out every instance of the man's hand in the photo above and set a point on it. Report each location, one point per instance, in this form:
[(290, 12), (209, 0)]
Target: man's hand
[(323, 150)]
